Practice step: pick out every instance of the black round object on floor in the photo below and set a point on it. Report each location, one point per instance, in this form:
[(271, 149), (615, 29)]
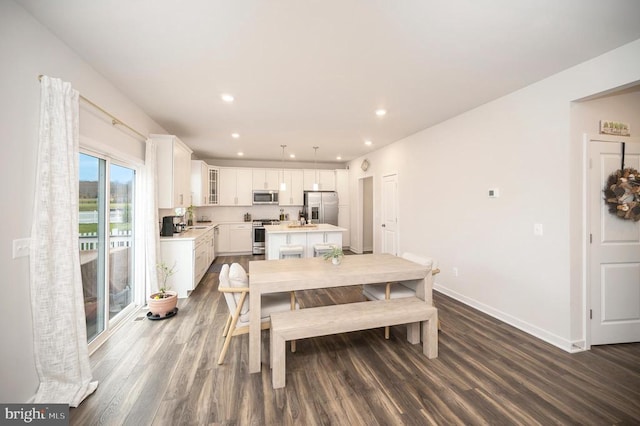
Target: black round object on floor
[(170, 314)]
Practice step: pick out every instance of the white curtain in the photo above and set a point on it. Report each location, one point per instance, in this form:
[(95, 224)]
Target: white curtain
[(57, 303), (152, 228)]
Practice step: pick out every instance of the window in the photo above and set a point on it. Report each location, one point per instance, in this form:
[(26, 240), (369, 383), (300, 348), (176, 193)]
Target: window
[(106, 215)]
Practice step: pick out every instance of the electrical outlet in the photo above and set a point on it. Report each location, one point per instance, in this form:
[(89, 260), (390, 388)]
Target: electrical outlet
[(455, 271), (538, 230), (21, 247)]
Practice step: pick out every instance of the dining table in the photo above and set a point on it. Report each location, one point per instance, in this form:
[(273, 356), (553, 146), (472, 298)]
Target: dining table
[(286, 275)]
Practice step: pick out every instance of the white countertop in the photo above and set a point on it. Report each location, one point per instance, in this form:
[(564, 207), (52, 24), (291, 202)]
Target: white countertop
[(284, 228), (192, 232)]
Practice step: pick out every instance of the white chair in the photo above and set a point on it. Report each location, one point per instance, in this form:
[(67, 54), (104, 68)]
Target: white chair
[(234, 284), (291, 250), (385, 291), (320, 249)]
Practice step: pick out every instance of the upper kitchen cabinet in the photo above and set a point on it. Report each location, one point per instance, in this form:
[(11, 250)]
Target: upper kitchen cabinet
[(326, 180), (204, 184), (200, 183), (214, 179), (293, 195), (235, 186), (174, 172), (265, 179), (342, 186)]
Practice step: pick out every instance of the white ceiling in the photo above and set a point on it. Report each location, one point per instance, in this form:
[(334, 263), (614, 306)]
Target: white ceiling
[(311, 72)]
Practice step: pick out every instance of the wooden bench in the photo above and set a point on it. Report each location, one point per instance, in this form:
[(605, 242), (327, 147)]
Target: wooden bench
[(334, 319)]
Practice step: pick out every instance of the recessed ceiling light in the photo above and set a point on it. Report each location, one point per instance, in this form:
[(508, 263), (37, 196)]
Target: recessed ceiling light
[(338, 158), (381, 112), (368, 143), (240, 154), (292, 156), (235, 135), (227, 97)]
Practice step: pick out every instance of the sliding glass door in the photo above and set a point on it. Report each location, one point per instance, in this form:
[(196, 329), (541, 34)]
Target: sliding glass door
[(106, 242)]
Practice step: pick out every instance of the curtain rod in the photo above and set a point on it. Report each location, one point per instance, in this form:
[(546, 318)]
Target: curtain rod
[(114, 120)]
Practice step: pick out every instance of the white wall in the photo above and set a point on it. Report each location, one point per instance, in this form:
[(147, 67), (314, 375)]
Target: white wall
[(28, 49), (521, 144)]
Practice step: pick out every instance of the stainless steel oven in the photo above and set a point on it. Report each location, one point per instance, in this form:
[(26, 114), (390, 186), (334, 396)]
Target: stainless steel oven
[(259, 235)]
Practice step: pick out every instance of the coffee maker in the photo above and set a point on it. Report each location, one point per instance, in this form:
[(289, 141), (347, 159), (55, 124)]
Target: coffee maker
[(167, 226)]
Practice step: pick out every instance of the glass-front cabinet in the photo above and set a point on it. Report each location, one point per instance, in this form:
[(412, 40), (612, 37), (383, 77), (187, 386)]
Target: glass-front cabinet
[(213, 185)]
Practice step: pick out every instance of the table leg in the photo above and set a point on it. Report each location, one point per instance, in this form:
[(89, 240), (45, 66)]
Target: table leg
[(430, 337), (255, 356)]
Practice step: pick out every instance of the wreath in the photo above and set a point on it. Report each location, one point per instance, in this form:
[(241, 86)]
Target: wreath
[(622, 194)]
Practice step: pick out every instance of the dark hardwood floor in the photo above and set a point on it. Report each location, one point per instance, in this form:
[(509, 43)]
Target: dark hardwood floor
[(165, 373)]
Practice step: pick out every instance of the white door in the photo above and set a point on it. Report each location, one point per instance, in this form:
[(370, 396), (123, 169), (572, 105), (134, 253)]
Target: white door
[(614, 265), (390, 214)]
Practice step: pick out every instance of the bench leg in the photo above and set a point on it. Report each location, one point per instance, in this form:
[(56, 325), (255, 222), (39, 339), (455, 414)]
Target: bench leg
[(430, 336), (293, 308), (278, 360), (387, 296), (413, 333)]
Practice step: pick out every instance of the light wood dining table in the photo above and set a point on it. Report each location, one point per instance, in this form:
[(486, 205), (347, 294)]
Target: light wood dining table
[(276, 276)]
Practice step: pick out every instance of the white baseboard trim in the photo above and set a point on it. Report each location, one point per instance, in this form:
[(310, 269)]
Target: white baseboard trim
[(531, 329), (578, 346)]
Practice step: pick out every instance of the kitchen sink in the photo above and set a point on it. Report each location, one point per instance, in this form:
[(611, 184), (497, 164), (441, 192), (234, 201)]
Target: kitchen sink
[(198, 227)]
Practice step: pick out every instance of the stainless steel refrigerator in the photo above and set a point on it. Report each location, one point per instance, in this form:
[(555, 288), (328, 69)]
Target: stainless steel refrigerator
[(321, 207)]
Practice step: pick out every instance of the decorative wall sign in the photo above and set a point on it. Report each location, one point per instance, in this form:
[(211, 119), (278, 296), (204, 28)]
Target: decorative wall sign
[(608, 127)]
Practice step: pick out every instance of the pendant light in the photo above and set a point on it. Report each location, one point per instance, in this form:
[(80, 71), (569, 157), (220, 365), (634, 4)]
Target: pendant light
[(283, 184), (316, 186)]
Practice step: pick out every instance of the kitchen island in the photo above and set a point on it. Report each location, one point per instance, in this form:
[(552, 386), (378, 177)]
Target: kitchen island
[(306, 236)]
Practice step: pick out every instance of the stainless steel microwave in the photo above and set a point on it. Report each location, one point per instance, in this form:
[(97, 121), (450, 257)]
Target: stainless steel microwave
[(265, 197)]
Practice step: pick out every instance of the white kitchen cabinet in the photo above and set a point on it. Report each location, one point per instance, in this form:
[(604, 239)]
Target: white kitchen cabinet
[(223, 238), (344, 221), (216, 241), (326, 180), (213, 185), (273, 242), (314, 238), (174, 172), (190, 258), (342, 186), (240, 238), (344, 218), (199, 183), (265, 179), (235, 238), (293, 195), (235, 187)]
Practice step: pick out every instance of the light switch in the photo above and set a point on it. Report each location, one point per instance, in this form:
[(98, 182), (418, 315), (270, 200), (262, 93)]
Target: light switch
[(21, 247), (537, 229), (494, 192)]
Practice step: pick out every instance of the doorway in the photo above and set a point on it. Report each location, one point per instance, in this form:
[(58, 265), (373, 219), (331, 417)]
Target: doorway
[(390, 214), (613, 261), (106, 204)]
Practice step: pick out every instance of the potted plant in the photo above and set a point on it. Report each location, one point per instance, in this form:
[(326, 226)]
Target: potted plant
[(335, 255), (190, 215), (162, 304)]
